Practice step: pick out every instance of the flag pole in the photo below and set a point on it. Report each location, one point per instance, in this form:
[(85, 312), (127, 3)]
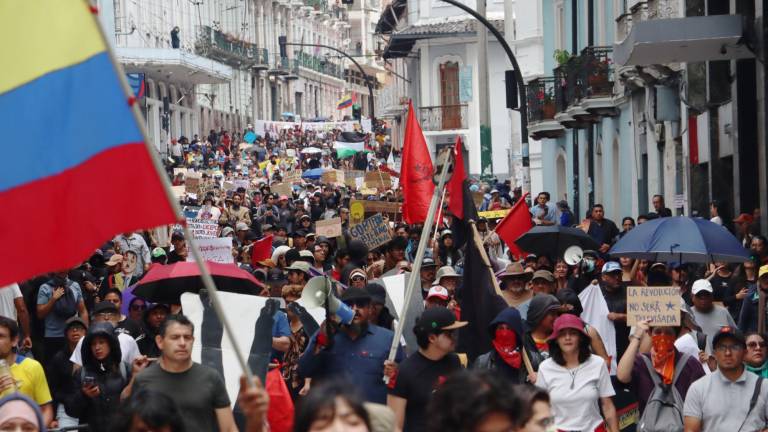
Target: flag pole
[(439, 216), (487, 262), (160, 171), (446, 160)]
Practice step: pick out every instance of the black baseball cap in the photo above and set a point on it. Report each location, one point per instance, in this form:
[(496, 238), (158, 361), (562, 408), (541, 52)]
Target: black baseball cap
[(355, 294), (437, 319), (104, 306), (731, 332)]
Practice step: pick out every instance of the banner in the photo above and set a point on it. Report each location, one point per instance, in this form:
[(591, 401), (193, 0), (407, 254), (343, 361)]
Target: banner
[(329, 228), (372, 231), (293, 176), (273, 127), (215, 249), (493, 214), (379, 206), (282, 189), (203, 229)]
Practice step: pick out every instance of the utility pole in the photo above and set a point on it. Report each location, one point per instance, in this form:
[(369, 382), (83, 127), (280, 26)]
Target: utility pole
[(486, 147)]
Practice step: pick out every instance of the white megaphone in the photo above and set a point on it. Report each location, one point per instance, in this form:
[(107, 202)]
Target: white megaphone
[(573, 255), (318, 291)]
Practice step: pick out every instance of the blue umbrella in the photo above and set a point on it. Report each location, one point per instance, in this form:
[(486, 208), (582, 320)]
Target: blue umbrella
[(680, 239), (314, 174)]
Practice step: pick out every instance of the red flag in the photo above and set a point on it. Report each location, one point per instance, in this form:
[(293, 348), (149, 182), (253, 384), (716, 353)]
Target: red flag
[(455, 186), (515, 223), (261, 250), (417, 172)]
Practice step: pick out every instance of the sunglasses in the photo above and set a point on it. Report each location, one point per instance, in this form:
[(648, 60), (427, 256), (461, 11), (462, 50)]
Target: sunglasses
[(753, 345)]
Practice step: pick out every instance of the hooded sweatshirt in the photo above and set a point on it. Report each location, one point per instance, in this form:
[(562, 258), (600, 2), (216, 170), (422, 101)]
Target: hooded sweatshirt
[(111, 376), (492, 360)]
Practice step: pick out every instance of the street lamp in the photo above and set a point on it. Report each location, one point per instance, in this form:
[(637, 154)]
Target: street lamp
[(523, 108), (368, 81)]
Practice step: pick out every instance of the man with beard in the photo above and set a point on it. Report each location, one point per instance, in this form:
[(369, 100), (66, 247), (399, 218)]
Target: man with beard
[(514, 290), (357, 351), (235, 213)]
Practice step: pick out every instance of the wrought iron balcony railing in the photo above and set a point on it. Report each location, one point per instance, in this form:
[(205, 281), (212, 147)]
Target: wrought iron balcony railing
[(228, 49), (540, 94), (443, 117)]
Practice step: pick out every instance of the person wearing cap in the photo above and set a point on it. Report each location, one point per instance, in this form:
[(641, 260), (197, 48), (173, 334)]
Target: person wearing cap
[(748, 316), (179, 250), (543, 282), (241, 229), (159, 256), (354, 277), (357, 352), (743, 227), (427, 273), (577, 380), (709, 316), (423, 371), (237, 212), (670, 366), (447, 277), (27, 373), (614, 292), (514, 281), (298, 273), (59, 372), (506, 356), (152, 318), (380, 314), (437, 296), (108, 312), (722, 401)]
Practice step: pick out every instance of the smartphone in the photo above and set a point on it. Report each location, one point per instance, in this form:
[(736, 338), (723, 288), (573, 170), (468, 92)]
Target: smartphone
[(89, 381)]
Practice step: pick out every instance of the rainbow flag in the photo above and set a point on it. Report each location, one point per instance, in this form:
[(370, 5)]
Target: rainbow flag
[(344, 102), (75, 170)]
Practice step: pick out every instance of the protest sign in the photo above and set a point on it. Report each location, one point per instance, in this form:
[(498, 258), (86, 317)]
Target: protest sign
[(372, 231), (202, 228), (177, 171), (293, 176), (378, 180), (356, 212), (282, 189), (381, 206), (241, 183), (660, 305), (328, 227), (192, 185), (328, 176), (493, 214), (228, 186), (178, 191), (214, 249)]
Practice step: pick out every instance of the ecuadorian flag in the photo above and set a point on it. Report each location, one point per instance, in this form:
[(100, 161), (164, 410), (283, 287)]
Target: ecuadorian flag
[(345, 102), (74, 170)]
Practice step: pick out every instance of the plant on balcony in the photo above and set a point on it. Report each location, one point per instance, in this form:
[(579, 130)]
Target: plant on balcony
[(561, 56), (599, 69), (546, 99)]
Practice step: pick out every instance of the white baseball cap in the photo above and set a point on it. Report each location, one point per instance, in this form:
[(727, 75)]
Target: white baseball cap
[(701, 285), (439, 292)]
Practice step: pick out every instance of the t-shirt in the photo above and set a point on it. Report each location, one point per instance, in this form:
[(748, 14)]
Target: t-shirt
[(712, 321), (129, 350), (54, 323), (722, 404), (197, 392), (30, 379), (574, 394), (417, 380), (8, 294)]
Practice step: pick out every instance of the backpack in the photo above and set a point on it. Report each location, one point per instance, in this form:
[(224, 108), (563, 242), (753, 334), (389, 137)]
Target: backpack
[(664, 409)]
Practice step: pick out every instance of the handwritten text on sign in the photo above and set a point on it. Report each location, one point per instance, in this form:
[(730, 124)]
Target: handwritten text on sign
[(215, 249), (372, 231), (660, 305)]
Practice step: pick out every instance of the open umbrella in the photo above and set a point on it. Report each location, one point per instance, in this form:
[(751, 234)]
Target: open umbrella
[(681, 239), (314, 173), (166, 283), (554, 239), (306, 150)]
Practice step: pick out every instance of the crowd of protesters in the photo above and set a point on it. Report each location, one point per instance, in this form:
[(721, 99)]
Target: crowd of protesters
[(76, 355)]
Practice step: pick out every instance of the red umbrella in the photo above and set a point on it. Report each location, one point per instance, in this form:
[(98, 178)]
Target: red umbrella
[(166, 283)]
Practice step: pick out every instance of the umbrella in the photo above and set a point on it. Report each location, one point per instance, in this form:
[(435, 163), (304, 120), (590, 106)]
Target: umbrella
[(311, 150), (314, 173), (166, 283), (549, 239), (681, 239), (288, 114)]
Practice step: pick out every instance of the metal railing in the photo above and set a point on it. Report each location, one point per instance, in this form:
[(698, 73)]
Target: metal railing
[(540, 94), (318, 64), (595, 73), (443, 117), (318, 5), (220, 46)]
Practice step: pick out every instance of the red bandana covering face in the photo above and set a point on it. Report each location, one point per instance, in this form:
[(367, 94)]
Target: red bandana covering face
[(505, 342), (663, 356)]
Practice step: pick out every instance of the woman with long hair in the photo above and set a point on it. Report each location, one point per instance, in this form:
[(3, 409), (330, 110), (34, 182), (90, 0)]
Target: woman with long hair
[(332, 406), (577, 380)]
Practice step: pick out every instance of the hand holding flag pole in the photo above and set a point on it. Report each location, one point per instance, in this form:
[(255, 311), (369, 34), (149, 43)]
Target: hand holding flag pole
[(213, 292)]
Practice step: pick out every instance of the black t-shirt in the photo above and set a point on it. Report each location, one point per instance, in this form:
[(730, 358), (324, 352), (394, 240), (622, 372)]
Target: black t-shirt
[(617, 302), (417, 380)]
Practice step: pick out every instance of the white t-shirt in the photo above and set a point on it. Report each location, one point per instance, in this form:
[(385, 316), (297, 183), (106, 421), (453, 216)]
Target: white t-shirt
[(8, 294), (717, 219), (574, 393), (687, 344), (128, 348)]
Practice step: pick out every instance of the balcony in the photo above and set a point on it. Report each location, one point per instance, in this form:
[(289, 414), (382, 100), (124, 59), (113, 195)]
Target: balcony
[(280, 66), (225, 48), (318, 5), (319, 65), (540, 94), (293, 69), (584, 88), (443, 117)]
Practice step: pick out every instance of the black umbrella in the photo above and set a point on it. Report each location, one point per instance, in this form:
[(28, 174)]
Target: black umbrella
[(553, 240)]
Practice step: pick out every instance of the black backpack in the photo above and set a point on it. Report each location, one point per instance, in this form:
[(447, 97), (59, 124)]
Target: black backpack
[(664, 409)]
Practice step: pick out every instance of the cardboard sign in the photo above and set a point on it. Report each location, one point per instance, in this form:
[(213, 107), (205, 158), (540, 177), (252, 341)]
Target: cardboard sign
[(329, 228), (381, 206), (293, 176), (282, 189), (378, 179), (329, 176), (215, 249), (202, 228), (192, 184), (241, 183), (493, 214), (229, 186), (178, 191), (356, 212), (177, 171), (661, 305), (372, 231)]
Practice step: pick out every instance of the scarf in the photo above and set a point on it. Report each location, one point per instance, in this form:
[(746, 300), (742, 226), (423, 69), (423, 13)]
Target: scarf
[(761, 370), (663, 356), (505, 343)]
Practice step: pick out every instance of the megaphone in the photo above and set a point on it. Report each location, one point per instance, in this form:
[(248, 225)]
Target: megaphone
[(573, 255), (317, 293)]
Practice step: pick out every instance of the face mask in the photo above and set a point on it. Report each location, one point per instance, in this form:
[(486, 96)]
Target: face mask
[(505, 343)]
